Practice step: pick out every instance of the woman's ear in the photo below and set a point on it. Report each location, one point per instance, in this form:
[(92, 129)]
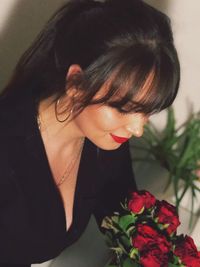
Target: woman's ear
[(73, 69)]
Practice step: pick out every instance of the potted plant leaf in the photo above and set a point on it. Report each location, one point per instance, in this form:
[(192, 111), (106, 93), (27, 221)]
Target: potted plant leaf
[(177, 149)]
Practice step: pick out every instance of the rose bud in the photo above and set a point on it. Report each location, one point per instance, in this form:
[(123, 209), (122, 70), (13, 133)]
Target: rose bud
[(154, 255), (187, 252), (145, 234), (141, 200), (166, 214)]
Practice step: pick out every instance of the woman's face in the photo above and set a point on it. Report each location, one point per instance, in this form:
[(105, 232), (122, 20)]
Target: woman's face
[(107, 128)]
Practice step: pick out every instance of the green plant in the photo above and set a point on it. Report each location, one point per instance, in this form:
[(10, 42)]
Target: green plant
[(177, 149)]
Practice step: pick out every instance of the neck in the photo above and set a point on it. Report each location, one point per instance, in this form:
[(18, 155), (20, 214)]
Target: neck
[(59, 135)]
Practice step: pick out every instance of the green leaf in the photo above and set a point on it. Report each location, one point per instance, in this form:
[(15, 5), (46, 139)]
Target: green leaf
[(125, 241), (130, 263), (173, 265), (130, 230), (133, 253), (126, 220), (110, 224), (170, 126), (149, 133), (176, 262), (115, 218)]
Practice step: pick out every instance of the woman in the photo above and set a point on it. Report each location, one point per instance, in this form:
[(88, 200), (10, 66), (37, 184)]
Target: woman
[(88, 83)]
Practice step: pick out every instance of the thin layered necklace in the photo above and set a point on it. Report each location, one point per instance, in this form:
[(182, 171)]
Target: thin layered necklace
[(73, 161)]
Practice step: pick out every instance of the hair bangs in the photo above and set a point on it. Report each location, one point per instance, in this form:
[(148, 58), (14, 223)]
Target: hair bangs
[(128, 80), (162, 89), (147, 87)]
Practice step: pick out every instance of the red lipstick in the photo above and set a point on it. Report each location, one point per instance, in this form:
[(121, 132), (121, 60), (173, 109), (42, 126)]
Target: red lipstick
[(118, 139)]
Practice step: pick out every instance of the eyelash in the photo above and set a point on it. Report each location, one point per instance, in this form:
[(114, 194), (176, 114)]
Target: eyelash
[(122, 112)]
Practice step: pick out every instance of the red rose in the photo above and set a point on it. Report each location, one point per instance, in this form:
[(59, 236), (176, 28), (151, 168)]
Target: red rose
[(186, 250), (153, 247), (145, 235), (166, 214), (153, 256), (141, 200)]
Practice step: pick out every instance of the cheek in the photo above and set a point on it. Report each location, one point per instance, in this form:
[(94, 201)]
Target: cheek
[(99, 118), (105, 118)]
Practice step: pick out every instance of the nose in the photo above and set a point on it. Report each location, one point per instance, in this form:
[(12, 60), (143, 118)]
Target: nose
[(136, 125)]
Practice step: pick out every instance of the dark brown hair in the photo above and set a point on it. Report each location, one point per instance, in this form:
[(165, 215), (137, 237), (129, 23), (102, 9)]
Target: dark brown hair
[(117, 41)]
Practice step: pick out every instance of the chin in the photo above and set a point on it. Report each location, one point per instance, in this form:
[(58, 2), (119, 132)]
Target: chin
[(104, 144), (109, 146)]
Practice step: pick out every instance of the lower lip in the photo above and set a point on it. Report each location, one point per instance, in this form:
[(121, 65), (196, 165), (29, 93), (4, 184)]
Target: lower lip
[(119, 140)]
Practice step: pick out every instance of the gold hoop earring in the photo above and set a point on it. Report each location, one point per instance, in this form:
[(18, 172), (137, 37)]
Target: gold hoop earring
[(57, 113)]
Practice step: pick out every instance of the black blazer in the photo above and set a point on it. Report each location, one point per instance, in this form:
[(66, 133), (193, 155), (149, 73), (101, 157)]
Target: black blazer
[(32, 219)]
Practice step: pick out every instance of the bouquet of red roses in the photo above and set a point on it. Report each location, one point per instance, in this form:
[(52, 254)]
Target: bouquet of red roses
[(145, 235)]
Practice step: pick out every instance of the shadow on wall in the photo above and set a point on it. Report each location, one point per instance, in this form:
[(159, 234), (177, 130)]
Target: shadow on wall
[(25, 20)]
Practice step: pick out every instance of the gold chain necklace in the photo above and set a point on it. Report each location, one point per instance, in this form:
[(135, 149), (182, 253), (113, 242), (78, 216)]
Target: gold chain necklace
[(71, 166)]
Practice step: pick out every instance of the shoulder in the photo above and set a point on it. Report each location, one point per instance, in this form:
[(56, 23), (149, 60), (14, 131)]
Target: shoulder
[(11, 129), (7, 181), (14, 111)]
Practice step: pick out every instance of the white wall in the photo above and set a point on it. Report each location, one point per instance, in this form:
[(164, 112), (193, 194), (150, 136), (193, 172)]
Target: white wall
[(20, 20)]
